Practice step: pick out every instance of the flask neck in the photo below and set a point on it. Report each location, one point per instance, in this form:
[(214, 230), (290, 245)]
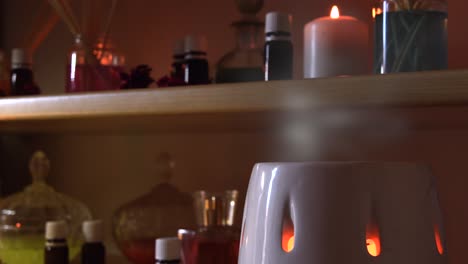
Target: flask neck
[(248, 34)]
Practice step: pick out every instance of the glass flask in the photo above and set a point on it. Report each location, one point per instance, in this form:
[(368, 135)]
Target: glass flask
[(23, 217), (245, 62), (410, 35), (159, 213), (217, 238)]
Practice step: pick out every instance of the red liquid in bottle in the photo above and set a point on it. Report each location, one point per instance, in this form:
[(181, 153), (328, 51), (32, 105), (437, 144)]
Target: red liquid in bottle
[(139, 251), (83, 77)]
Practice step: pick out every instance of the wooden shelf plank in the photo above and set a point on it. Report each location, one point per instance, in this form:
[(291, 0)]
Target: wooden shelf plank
[(232, 106)]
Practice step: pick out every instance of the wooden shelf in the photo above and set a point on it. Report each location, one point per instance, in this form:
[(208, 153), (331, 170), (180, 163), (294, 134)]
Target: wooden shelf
[(242, 107)]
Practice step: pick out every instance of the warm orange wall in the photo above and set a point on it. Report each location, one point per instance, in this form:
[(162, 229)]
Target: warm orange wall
[(146, 29)]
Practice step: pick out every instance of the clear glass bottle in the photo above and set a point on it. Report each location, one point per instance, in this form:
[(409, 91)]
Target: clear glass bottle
[(410, 35), (93, 69), (217, 238), (159, 213), (23, 217), (245, 62)]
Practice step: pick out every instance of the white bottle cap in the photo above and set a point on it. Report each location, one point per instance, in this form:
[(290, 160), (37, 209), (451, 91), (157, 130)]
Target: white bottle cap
[(195, 44), (93, 231), (56, 230), (179, 47), (20, 58), (278, 22), (167, 248)]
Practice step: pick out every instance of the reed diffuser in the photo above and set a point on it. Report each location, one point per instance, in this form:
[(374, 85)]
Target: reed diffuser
[(93, 63), (410, 35)]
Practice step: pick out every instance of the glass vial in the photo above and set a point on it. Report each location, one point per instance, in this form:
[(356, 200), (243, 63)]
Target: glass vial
[(56, 248), (278, 47), (196, 69), (410, 35), (167, 250), (22, 77), (245, 62), (93, 250)]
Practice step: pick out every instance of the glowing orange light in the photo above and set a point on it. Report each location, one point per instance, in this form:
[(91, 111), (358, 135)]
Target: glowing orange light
[(373, 240), (290, 244), (288, 241), (372, 247), (335, 12), (376, 11), (438, 241), (18, 225)]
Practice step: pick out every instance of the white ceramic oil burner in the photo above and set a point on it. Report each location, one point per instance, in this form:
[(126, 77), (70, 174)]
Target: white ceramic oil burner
[(342, 213)]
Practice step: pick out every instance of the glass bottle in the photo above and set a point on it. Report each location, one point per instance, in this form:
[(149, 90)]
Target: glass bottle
[(23, 217), (95, 69), (167, 250), (410, 35), (245, 62), (22, 77), (196, 69), (56, 248), (217, 238), (160, 213), (93, 250), (278, 47)]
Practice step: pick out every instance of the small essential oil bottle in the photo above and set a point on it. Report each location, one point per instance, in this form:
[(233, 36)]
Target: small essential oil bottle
[(56, 248), (22, 78), (196, 69), (278, 47), (93, 250), (167, 250)]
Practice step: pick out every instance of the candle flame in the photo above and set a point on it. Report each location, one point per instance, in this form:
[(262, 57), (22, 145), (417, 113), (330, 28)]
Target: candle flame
[(335, 12), (372, 247)]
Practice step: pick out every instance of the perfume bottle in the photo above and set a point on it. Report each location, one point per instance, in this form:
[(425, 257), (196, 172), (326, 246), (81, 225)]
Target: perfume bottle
[(93, 250), (217, 238), (159, 213)]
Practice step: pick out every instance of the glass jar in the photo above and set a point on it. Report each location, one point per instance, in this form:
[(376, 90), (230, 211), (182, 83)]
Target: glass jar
[(159, 213), (245, 62), (217, 238), (410, 35), (23, 217)]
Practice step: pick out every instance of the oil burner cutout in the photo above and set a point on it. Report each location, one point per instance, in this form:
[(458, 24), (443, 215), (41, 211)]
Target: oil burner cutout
[(342, 212)]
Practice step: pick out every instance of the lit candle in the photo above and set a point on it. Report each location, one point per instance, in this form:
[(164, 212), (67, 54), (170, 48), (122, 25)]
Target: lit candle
[(336, 45)]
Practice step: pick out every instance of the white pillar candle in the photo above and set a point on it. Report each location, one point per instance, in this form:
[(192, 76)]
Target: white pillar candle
[(336, 45)]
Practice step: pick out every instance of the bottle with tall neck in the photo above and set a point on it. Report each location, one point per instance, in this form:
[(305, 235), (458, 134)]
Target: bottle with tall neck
[(22, 77), (278, 47)]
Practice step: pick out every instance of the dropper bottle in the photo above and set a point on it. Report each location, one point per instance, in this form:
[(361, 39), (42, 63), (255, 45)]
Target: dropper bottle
[(56, 248), (278, 47), (93, 250)]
